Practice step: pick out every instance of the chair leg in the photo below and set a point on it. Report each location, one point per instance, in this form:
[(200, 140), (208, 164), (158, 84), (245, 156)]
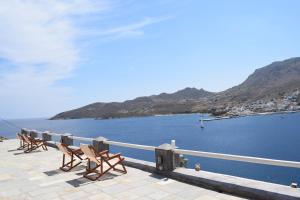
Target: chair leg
[(99, 173), (90, 170), (121, 170), (114, 166), (72, 160), (63, 163), (78, 157), (44, 147), (69, 165), (120, 162), (30, 148), (22, 145)]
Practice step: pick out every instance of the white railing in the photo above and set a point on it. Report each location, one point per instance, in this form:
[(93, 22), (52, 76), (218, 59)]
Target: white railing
[(248, 159), (129, 145), (81, 138), (265, 161), (54, 134)]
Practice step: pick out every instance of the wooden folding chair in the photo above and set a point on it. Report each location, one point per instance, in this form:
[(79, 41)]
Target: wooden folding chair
[(23, 143), (102, 160), (72, 154), (33, 143), (26, 142)]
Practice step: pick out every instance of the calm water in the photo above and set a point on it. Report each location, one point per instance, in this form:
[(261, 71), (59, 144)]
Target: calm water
[(273, 136)]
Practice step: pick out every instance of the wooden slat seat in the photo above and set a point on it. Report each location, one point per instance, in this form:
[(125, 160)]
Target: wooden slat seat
[(103, 161), (72, 153), (23, 143), (33, 143)]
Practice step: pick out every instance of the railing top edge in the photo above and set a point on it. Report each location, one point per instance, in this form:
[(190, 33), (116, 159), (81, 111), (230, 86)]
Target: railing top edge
[(130, 145), (257, 160), (240, 158), (81, 138), (54, 134)]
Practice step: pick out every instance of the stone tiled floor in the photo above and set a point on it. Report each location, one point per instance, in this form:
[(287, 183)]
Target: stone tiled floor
[(36, 176)]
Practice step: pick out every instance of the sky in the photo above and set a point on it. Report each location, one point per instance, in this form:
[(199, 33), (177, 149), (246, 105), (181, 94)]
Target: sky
[(58, 55)]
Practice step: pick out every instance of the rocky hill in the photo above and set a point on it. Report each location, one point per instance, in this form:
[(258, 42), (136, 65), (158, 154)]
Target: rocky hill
[(275, 87), (269, 81), (182, 101)]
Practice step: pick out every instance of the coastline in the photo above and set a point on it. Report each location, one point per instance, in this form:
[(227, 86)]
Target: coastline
[(2, 138), (250, 114), (211, 117)]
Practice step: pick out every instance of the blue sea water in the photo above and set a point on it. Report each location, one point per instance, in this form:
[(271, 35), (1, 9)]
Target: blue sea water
[(272, 136)]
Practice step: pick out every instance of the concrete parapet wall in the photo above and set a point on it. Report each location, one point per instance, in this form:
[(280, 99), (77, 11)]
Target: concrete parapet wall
[(242, 187)]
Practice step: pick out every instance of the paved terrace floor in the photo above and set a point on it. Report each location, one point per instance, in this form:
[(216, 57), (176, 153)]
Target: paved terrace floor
[(36, 176)]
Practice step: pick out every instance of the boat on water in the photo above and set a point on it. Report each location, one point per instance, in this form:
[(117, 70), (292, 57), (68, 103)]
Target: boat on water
[(218, 118), (201, 123)]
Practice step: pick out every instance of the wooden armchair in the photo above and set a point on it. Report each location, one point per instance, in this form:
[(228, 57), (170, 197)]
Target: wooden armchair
[(23, 143), (33, 143), (103, 160), (70, 153)]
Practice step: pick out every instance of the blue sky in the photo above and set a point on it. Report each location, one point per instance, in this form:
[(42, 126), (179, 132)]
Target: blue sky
[(58, 55)]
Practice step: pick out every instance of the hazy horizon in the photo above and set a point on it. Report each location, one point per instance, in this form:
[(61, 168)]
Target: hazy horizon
[(59, 55)]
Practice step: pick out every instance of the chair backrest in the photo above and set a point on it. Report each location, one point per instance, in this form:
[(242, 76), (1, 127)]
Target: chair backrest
[(26, 138), (89, 152), (63, 149), (19, 137)]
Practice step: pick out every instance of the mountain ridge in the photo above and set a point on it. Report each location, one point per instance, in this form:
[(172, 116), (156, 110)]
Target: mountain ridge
[(270, 85)]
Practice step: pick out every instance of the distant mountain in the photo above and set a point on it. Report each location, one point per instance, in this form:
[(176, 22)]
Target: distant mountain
[(187, 94), (275, 87), (181, 101), (269, 81)]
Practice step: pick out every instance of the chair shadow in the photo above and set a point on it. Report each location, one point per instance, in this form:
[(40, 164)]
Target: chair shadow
[(38, 151), (13, 150), (53, 172), (59, 171), (156, 176), (84, 181), (79, 182)]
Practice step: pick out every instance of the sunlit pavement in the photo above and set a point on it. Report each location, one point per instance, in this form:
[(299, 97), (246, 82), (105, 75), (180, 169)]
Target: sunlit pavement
[(36, 176)]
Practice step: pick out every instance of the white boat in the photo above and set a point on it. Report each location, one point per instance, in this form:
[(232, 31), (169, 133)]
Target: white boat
[(201, 123)]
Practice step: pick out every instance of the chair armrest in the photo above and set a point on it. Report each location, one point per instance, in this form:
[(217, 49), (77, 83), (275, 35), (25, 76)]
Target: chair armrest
[(102, 153), (114, 156), (76, 151)]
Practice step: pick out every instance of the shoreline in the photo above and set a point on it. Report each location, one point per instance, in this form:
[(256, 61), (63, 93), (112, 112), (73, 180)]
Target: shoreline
[(213, 118), (3, 138), (249, 115)]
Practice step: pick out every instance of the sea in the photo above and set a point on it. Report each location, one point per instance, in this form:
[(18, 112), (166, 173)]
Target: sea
[(274, 136)]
